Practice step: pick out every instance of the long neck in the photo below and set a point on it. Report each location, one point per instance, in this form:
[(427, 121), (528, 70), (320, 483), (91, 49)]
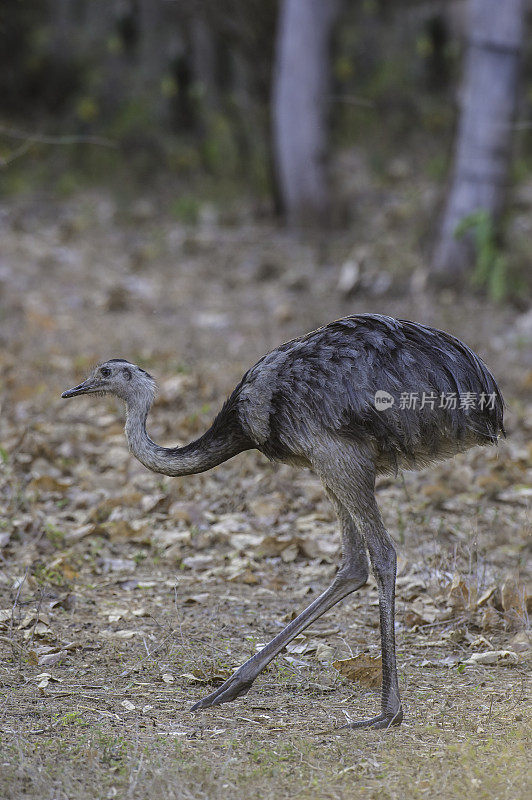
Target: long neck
[(214, 447)]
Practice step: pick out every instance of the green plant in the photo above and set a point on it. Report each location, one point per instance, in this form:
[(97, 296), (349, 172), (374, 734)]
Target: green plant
[(491, 266), (54, 535), (185, 209)]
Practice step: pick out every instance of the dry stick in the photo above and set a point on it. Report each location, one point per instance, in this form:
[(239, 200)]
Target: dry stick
[(17, 153), (135, 777), (30, 139), (11, 642), (489, 712), (12, 622), (351, 654), (38, 611), (159, 624), (443, 622), (33, 733), (191, 641), (405, 489), (100, 711), (128, 671), (307, 763), (19, 589), (15, 448), (179, 617), (519, 699)]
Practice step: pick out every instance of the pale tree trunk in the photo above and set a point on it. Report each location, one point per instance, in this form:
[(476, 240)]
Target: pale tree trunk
[(300, 105), (483, 147)]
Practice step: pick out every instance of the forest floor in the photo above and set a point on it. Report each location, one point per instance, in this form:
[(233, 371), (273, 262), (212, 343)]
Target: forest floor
[(125, 596)]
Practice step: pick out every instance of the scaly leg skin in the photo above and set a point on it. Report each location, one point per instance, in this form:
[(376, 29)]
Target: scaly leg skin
[(392, 711), (353, 574), (384, 565)]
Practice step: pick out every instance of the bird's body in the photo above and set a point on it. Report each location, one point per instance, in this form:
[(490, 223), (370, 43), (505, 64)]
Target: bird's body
[(323, 386), (314, 402)]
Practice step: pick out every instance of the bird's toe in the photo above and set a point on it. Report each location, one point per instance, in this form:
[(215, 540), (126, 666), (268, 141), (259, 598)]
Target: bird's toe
[(380, 722), (227, 692)]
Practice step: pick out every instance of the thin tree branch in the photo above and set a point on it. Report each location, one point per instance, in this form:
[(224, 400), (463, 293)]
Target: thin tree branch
[(13, 133), (17, 153)]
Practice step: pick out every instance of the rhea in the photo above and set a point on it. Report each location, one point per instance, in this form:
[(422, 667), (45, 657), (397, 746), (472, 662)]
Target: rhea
[(362, 396)]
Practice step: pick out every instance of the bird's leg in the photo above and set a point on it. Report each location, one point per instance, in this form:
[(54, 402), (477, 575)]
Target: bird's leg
[(383, 562), (352, 574), (357, 495)]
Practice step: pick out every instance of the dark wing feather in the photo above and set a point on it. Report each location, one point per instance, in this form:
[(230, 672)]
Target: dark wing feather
[(324, 383)]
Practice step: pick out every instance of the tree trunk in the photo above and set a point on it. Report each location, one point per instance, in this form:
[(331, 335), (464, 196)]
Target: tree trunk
[(153, 54), (204, 66), (299, 107), (488, 106)]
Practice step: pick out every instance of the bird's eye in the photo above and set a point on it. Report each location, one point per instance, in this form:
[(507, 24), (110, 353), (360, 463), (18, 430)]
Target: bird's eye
[(105, 371)]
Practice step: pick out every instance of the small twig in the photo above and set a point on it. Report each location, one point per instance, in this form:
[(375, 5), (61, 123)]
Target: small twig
[(38, 611), (351, 654), (18, 443), (519, 700), (13, 644), (17, 153), (12, 621), (407, 494), (312, 766), (159, 624), (156, 649), (100, 711), (442, 622), (489, 712), (19, 589), (135, 778), (35, 732)]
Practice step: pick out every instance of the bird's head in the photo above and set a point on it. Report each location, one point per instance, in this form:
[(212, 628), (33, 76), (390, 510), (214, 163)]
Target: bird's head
[(118, 377)]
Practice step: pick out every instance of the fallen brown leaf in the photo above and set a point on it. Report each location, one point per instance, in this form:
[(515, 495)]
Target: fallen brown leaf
[(513, 599), (462, 593), (364, 669), (270, 506), (216, 676), (491, 619), (46, 483)]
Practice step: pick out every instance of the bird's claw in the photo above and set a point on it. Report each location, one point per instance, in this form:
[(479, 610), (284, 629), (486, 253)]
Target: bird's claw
[(232, 688)]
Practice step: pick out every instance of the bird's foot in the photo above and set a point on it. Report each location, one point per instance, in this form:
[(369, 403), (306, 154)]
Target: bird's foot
[(233, 687), (382, 721)]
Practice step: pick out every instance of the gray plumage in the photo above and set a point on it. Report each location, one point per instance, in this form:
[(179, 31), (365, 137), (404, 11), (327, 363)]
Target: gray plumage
[(312, 402), (325, 383)]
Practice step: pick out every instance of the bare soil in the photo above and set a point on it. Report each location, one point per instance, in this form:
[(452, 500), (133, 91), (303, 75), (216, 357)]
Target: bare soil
[(125, 596)]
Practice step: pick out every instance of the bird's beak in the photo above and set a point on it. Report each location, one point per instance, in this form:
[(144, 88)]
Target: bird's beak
[(83, 388)]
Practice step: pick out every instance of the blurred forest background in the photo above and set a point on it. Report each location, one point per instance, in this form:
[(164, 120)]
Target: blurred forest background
[(253, 109)]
